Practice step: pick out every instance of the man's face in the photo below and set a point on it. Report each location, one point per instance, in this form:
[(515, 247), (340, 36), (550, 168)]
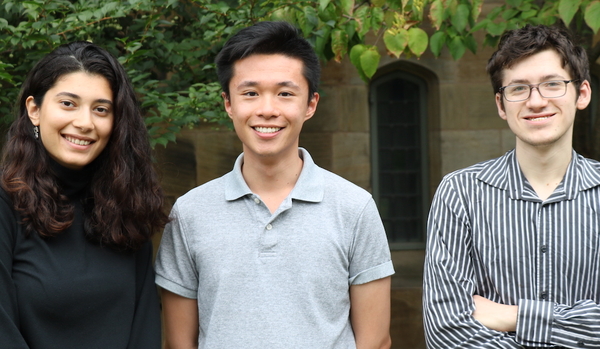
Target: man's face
[(539, 121), (268, 104)]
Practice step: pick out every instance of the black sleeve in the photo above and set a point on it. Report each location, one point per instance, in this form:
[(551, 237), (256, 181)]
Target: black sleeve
[(10, 336), (145, 330)]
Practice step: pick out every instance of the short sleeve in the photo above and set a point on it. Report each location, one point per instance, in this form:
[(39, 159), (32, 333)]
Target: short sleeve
[(370, 253), (175, 267)]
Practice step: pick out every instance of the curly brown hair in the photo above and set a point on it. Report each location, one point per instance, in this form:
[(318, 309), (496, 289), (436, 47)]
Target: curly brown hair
[(126, 201)]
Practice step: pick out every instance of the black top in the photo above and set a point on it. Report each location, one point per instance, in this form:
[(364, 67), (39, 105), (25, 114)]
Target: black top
[(67, 292)]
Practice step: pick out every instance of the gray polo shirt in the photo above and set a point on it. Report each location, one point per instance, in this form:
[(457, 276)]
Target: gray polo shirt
[(276, 280)]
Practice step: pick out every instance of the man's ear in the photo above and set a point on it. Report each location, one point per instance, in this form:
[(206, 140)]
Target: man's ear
[(312, 106), (226, 103), (33, 111), (500, 106), (585, 95)]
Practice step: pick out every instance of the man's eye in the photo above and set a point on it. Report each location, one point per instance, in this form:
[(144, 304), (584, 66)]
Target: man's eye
[(552, 83), (517, 89)]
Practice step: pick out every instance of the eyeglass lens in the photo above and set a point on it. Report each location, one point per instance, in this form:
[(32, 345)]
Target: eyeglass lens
[(547, 89)]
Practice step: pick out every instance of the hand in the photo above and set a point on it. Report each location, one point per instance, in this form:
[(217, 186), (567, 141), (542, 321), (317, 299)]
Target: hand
[(495, 316)]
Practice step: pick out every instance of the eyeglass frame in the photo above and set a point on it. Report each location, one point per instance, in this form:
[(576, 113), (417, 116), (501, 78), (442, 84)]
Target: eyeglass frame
[(536, 86)]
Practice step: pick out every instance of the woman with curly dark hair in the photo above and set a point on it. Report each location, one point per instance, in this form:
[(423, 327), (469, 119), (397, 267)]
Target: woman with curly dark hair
[(79, 201)]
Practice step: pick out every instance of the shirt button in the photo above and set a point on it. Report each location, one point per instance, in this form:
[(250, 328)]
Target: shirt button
[(257, 200), (544, 295), (580, 344), (544, 248), (269, 226)]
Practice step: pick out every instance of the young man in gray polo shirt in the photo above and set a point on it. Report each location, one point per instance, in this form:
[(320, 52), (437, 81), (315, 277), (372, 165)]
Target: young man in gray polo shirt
[(278, 253)]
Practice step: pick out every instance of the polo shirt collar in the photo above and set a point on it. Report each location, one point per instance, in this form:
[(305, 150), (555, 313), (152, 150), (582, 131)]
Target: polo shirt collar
[(309, 187)]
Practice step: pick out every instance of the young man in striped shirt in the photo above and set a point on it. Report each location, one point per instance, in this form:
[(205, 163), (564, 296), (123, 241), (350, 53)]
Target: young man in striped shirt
[(513, 254)]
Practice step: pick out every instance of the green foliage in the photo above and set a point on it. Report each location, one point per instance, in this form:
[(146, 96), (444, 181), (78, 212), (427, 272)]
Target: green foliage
[(168, 46)]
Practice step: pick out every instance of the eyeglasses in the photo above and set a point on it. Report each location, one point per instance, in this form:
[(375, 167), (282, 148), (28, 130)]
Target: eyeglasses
[(546, 89)]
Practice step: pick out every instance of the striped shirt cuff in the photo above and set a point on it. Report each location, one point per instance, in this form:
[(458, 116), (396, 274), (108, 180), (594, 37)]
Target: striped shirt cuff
[(534, 322)]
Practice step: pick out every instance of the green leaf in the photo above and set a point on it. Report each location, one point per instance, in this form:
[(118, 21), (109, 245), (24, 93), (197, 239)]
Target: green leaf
[(377, 15), (483, 24), (567, 9), (311, 15), (396, 42), (436, 43), (417, 41), (347, 7), (457, 48), (323, 4), (471, 43), (509, 13), (592, 16), (495, 12), (514, 3), (362, 16), (339, 44), (355, 52), (460, 18), (369, 61), (307, 20), (496, 29), (436, 14), (528, 14), (476, 9)]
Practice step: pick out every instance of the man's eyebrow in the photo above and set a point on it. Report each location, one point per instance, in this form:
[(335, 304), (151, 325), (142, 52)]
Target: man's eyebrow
[(288, 84), (252, 83), (76, 96), (247, 83)]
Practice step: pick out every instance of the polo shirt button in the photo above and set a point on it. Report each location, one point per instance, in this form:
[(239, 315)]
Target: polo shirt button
[(257, 200), (269, 226), (580, 344), (544, 248), (544, 295)]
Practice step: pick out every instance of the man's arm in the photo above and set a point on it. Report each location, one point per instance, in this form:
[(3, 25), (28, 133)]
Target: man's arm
[(181, 321), (495, 316), (370, 314)]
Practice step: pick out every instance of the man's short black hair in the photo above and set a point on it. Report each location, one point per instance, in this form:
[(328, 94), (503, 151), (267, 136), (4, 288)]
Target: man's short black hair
[(269, 38)]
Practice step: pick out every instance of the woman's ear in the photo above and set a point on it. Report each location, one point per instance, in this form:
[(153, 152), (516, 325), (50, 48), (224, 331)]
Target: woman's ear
[(33, 111)]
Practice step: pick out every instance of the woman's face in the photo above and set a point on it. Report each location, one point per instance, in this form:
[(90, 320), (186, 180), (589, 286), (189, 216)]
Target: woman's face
[(75, 118)]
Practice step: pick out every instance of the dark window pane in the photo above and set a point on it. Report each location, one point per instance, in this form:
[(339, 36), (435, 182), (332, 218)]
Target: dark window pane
[(398, 124)]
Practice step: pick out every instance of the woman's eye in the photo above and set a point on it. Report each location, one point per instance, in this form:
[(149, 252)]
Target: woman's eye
[(67, 103)]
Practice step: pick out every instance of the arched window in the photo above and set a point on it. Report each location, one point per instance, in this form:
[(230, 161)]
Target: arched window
[(400, 162)]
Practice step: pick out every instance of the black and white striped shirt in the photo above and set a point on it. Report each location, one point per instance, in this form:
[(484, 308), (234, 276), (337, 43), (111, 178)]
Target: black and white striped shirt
[(489, 234)]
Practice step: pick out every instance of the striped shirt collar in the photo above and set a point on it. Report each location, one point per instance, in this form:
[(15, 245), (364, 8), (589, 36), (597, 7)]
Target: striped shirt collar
[(504, 173)]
